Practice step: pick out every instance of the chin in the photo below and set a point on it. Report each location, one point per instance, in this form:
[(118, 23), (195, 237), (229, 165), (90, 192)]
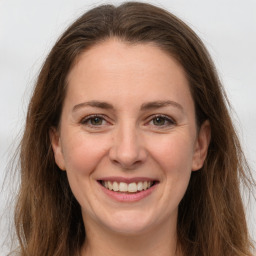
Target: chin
[(129, 223)]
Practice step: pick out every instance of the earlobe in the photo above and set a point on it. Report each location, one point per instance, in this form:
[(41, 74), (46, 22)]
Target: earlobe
[(201, 146), (57, 149)]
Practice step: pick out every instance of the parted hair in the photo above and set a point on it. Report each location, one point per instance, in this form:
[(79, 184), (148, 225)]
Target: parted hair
[(211, 216)]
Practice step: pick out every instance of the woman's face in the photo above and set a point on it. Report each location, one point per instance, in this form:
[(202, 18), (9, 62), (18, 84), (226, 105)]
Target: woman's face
[(128, 138)]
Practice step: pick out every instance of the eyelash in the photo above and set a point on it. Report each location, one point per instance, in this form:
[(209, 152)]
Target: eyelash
[(167, 121), (87, 119)]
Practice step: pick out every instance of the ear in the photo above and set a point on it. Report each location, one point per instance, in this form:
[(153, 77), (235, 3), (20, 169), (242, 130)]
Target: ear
[(57, 149), (201, 146)]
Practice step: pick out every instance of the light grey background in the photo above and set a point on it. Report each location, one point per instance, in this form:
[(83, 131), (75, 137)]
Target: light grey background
[(29, 28)]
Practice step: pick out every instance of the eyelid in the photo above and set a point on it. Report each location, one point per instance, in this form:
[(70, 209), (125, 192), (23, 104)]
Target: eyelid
[(85, 119), (166, 117), (171, 121)]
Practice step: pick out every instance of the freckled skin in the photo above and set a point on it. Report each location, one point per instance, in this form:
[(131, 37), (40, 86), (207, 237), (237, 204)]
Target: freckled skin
[(127, 142)]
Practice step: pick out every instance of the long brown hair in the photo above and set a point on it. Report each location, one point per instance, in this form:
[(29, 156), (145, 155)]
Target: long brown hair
[(211, 218)]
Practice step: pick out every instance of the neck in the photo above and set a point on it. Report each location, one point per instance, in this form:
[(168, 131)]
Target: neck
[(101, 241)]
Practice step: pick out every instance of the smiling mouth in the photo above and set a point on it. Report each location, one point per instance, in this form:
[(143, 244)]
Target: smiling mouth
[(122, 187)]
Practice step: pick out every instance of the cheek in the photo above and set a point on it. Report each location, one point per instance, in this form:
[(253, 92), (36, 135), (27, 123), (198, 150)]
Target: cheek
[(173, 153), (83, 153)]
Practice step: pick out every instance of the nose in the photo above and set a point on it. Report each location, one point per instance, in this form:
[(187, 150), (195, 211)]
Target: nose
[(128, 149)]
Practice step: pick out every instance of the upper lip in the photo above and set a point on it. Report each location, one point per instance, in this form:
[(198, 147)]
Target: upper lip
[(125, 179)]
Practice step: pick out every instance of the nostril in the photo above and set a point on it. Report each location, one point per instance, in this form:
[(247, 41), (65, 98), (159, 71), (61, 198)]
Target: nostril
[(126, 165), (114, 161), (127, 154)]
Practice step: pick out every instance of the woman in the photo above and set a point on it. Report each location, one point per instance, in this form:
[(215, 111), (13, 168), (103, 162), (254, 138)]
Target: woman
[(129, 148)]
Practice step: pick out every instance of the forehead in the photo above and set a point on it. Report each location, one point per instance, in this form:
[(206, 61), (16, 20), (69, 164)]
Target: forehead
[(115, 53), (120, 69)]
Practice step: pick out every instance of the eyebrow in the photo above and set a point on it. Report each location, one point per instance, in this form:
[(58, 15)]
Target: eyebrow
[(93, 103), (144, 106), (161, 104)]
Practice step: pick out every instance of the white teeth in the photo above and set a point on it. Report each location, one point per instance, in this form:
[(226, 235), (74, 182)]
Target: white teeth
[(132, 187), (124, 187), (145, 185), (140, 186), (110, 186), (115, 186)]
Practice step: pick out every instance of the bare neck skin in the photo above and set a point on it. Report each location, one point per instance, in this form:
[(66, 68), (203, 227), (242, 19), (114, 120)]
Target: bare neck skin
[(100, 241)]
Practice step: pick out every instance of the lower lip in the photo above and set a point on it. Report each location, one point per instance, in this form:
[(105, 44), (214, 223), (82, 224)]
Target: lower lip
[(128, 197)]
